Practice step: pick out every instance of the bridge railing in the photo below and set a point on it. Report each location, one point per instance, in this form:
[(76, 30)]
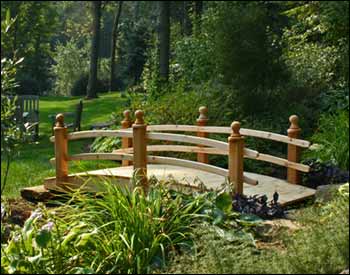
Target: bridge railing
[(135, 147)]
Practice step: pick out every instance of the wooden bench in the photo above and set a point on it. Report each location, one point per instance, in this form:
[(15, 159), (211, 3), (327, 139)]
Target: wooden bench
[(27, 114), (75, 118), (135, 145)]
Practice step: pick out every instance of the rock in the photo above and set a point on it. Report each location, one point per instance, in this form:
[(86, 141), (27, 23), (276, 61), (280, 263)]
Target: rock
[(36, 193), (283, 223), (325, 193), (346, 271)]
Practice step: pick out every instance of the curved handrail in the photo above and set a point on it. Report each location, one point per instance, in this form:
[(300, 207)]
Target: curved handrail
[(228, 130), (176, 148), (214, 151), (96, 133), (156, 159), (223, 146), (190, 128)]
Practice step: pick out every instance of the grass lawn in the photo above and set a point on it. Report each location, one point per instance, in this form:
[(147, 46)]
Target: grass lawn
[(32, 165)]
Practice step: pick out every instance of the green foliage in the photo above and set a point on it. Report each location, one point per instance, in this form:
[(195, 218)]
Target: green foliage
[(334, 100), (11, 136), (317, 41), (158, 111), (71, 62), (32, 41), (71, 69), (248, 50), (320, 246), (332, 138), (122, 231), (313, 65), (192, 59), (105, 144)]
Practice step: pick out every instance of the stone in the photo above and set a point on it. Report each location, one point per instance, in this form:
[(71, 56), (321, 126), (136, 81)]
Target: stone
[(325, 193)]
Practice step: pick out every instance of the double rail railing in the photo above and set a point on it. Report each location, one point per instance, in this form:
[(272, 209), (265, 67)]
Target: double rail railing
[(135, 137)]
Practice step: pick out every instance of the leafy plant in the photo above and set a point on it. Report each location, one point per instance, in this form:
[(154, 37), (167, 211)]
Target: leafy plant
[(71, 62), (332, 139), (322, 173), (321, 245), (121, 231), (11, 135)]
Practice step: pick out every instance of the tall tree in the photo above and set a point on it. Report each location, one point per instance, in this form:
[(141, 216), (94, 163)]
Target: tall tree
[(112, 79), (92, 84), (164, 39), (198, 10), (186, 21)]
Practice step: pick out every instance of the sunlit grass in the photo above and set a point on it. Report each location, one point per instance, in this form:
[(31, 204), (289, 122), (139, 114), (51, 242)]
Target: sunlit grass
[(32, 165)]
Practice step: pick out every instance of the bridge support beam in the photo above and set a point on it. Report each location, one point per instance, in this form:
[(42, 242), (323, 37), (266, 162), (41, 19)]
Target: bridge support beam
[(61, 149), (140, 150), (293, 176), (202, 121), (126, 142), (235, 161)]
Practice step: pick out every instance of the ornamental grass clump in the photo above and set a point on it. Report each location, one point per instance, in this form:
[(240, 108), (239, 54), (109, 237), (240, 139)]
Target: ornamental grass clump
[(121, 231)]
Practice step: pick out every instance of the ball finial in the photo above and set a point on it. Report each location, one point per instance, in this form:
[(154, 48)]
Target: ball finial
[(139, 117), (294, 120), (126, 114), (59, 120), (235, 126), (203, 112)]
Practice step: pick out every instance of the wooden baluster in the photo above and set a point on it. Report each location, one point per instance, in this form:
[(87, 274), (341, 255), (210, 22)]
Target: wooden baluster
[(126, 142), (140, 150), (235, 161), (61, 149), (293, 176), (202, 121)]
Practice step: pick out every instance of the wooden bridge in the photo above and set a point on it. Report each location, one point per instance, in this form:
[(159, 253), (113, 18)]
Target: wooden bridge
[(137, 140)]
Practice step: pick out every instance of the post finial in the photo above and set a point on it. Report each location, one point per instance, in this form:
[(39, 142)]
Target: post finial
[(59, 120), (294, 120), (139, 117), (235, 126), (126, 114), (203, 112)]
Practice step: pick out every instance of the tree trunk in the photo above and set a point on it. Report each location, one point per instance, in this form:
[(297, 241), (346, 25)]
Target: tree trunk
[(92, 84), (198, 9), (112, 79), (186, 22), (164, 39)]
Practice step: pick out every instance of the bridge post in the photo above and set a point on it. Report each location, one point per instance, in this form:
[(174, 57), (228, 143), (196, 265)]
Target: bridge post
[(202, 121), (140, 150), (235, 161), (126, 142), (293, 176), (61, 149)]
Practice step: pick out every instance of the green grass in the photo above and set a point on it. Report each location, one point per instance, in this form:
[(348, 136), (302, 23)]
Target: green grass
[(32, 165)]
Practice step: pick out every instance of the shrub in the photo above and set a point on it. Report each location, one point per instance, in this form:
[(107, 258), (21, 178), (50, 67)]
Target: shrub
[(322, 173), (333, 140), (70, 63)]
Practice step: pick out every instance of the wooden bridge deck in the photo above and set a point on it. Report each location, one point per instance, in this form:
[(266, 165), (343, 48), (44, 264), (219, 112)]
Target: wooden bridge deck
[(288, 193)]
